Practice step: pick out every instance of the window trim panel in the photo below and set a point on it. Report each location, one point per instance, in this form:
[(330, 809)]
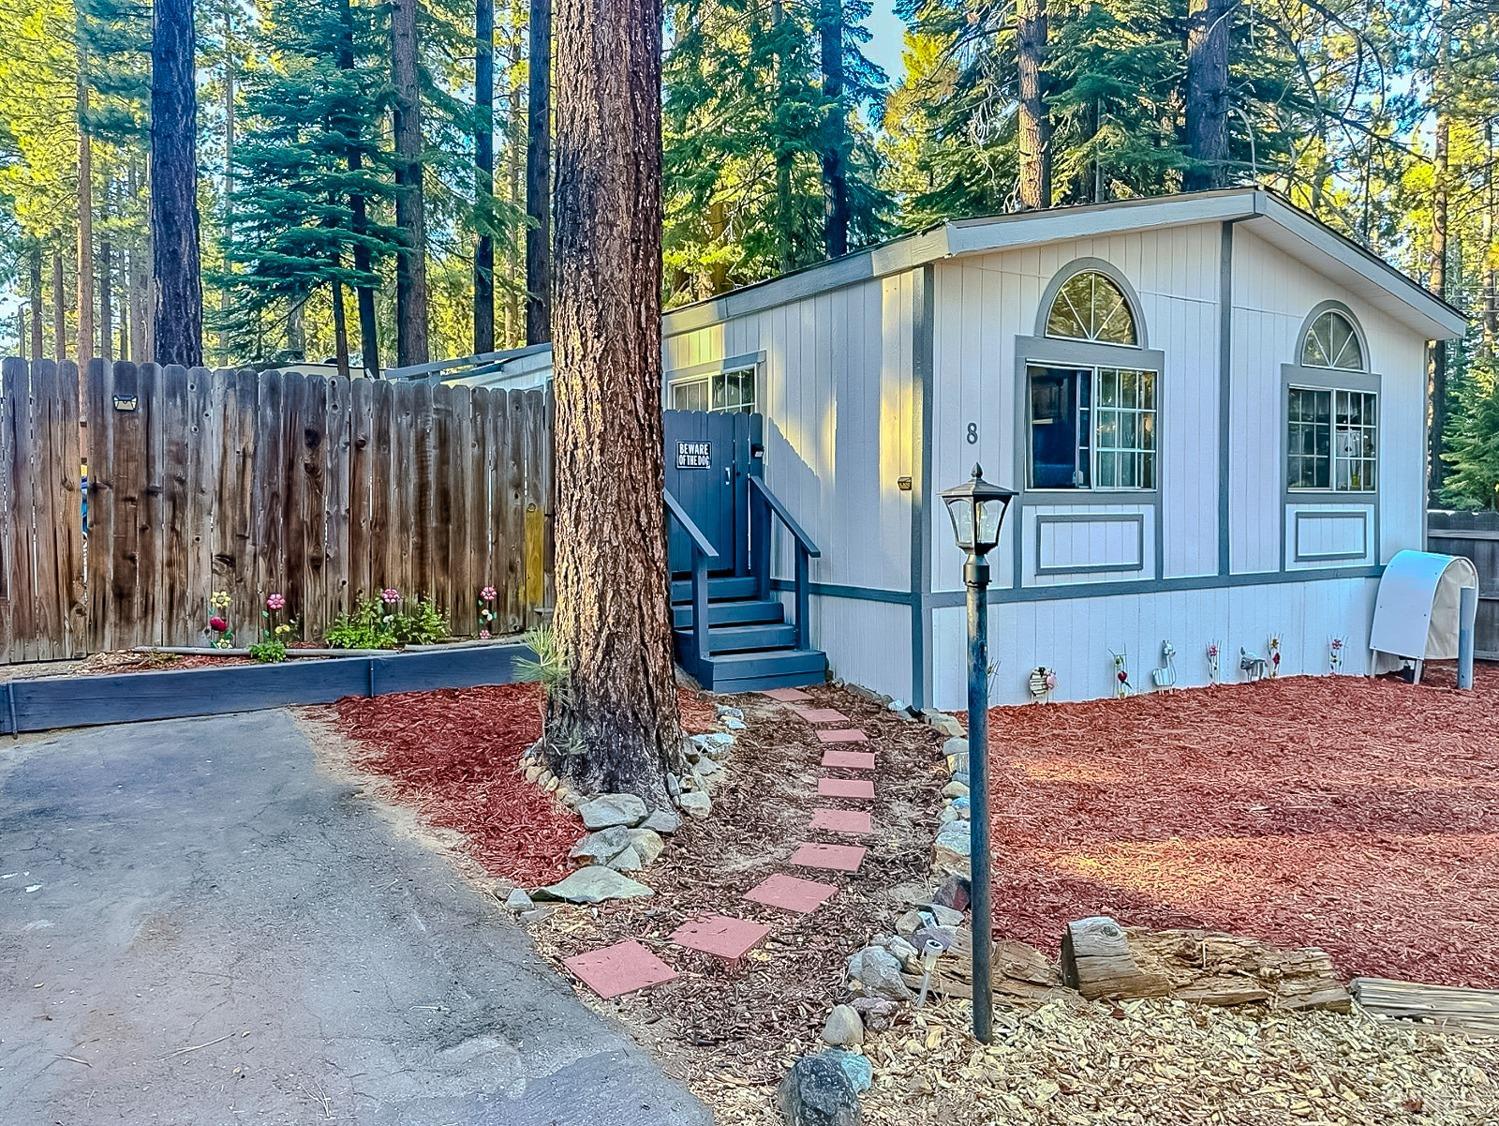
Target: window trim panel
[(704, 372)]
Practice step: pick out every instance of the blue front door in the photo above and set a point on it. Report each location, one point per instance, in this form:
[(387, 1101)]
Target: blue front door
[(709, 458)]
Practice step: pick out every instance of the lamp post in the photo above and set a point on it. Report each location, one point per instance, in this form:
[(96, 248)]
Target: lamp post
[(977, 509)]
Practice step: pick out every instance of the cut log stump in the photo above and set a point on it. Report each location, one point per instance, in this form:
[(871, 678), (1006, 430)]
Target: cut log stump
[(1020, 973), (1103, 960)]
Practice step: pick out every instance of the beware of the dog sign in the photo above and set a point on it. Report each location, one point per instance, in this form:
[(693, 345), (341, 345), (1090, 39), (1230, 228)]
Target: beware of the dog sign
[(694, 455)]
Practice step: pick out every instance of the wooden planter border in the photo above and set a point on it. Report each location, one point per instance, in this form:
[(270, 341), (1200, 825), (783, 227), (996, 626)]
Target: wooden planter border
[(88, 701)]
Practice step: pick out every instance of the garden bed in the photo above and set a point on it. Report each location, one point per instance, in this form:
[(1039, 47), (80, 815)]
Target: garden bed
[(1358, 815)]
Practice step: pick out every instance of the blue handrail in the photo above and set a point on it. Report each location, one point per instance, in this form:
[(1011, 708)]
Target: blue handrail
[(703, 552), (764, 503)]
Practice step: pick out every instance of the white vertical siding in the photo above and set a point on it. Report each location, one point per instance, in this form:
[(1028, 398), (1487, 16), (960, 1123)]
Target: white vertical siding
[(837, 393)]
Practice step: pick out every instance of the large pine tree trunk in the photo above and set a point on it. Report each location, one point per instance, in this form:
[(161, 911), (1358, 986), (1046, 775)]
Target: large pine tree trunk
[(85, 266), (177, 302), (782, 156), (411, 260), (514, 240), (230, 75), (484, 175), (539, 176), (1034, 120), (616, 728), (1207, 93), (34, 269), (136, 274), (1436, 365), (835, 132), (106, 300), (364, 295)]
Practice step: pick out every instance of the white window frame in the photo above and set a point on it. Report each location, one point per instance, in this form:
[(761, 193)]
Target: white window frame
[(1093, 409), (1333, 390), (706, 375)]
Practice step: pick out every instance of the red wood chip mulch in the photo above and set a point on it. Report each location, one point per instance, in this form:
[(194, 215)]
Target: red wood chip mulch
[(1361, 816), (452, 754)]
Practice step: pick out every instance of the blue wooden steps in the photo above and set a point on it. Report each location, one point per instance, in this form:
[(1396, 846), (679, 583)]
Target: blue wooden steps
[(752, 646)]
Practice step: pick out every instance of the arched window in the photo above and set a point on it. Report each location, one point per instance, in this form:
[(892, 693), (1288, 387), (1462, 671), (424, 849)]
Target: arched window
[(1090, 306), (1331, 341)]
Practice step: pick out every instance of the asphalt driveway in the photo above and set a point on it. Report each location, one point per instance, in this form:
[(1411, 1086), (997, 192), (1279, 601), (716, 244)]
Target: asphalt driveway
[(199, 925)]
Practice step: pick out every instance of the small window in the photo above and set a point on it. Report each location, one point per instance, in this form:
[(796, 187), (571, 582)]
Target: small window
[(722, 392), (1332, 440), (1092, 428), (1332, 342), (1090, 306)]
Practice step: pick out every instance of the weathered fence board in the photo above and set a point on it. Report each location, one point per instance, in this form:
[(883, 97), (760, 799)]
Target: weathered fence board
[(1476, 536), (320, 489)]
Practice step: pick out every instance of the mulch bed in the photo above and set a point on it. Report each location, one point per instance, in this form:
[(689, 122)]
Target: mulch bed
[(451, 754), (1358, 815)]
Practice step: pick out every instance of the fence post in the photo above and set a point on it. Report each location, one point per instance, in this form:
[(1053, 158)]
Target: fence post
[(1467, 619)]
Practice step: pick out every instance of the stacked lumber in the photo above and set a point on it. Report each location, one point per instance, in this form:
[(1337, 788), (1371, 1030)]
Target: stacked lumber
[(1101, 959), (1474, 1011)]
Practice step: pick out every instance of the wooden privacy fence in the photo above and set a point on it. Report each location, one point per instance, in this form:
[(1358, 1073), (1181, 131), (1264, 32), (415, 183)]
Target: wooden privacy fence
[(1475, 535), (320, 489)]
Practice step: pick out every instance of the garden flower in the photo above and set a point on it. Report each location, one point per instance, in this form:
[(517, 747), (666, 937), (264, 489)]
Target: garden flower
[(487, 594), (390, 596), (220, 600), (218, 625), (483, 635), (276, 602)]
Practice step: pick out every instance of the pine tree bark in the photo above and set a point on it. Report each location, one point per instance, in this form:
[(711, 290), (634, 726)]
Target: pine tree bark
[(85, 265), (1034, 120), (484, 175), (782, 153), (1207, 93), (539, 176), (364, 295), (229, 139), (340, 330), (34, 268), (616, 726), (411, 259), (1490, 230), (835, 132), (177, 299), (59, 305), (514, 245), (136, 275), (106, 301), (1436, 365)]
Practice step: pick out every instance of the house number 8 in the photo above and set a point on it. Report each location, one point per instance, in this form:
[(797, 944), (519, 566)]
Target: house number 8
[(973, 433)]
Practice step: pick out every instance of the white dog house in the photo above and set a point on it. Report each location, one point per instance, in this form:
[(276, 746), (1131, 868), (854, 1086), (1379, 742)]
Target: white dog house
[(1212, 406)]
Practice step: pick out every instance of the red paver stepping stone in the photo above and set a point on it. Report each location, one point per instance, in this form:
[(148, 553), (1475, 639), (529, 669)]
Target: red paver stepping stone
[(849, 760), (843, 735), (723, 935), (849, 821), (786, 695), (836, 858), (790, 893), (845, 788), (621, 968), (820, 715)]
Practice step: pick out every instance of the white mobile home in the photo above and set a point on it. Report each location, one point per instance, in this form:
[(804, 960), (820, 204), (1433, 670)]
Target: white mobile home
[(1211, 405)]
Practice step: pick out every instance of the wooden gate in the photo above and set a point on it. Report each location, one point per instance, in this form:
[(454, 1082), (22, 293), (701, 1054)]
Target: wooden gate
[(1476, 536), (42, 606), (319, 489)]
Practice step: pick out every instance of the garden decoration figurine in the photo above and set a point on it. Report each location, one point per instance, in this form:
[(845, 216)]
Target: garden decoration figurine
[(1214, 650), (1335, 655), (272, 644), (486, 613), (1165, 676), (1274, 656), (1251, 665), (1043, 683), (220, 602), (1122, 686)]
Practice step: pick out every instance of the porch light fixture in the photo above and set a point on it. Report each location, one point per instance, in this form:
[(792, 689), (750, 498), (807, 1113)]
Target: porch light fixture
[(977, 509)]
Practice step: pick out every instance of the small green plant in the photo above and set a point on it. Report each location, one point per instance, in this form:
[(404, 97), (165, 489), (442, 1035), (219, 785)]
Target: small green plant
[(549, 668), (383, 623)]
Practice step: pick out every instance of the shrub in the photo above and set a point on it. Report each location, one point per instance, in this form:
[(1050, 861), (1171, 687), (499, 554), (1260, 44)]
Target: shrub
[(383, 623)]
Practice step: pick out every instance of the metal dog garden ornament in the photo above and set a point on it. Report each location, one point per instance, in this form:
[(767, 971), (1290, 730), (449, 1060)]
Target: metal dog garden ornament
[(1252, 665)]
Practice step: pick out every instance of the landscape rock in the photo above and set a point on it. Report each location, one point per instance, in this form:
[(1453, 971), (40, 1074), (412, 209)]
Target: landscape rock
[(946, 916), (955, 790), (608, 810), (662, 821), (715, 743), (707, 768), (728, 711), (537, 915), (534, 772), (878, 973), (696, 804), (518, 900), (955, 751), (949, 815), (903, 950), (647, 844), (550, 784), (878, 1012), (594, 884), (911, 922), (856, 1066), (896, 706), (817, 1092), (942, 936), (602, 846), (844, 1027), (627, 861), (673, 786), (950, 851), (952, 892), (733, 724), (944, 723)]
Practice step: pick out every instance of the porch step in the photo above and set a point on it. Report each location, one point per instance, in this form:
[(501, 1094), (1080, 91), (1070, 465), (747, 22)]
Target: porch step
[(745, 611), (740, 638), (742, 586), (755, 672)]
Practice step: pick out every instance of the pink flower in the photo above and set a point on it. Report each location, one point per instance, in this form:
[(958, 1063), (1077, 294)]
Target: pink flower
[(390, 596), (483, 635), (218, 625), (487, 594), (276, 602)]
